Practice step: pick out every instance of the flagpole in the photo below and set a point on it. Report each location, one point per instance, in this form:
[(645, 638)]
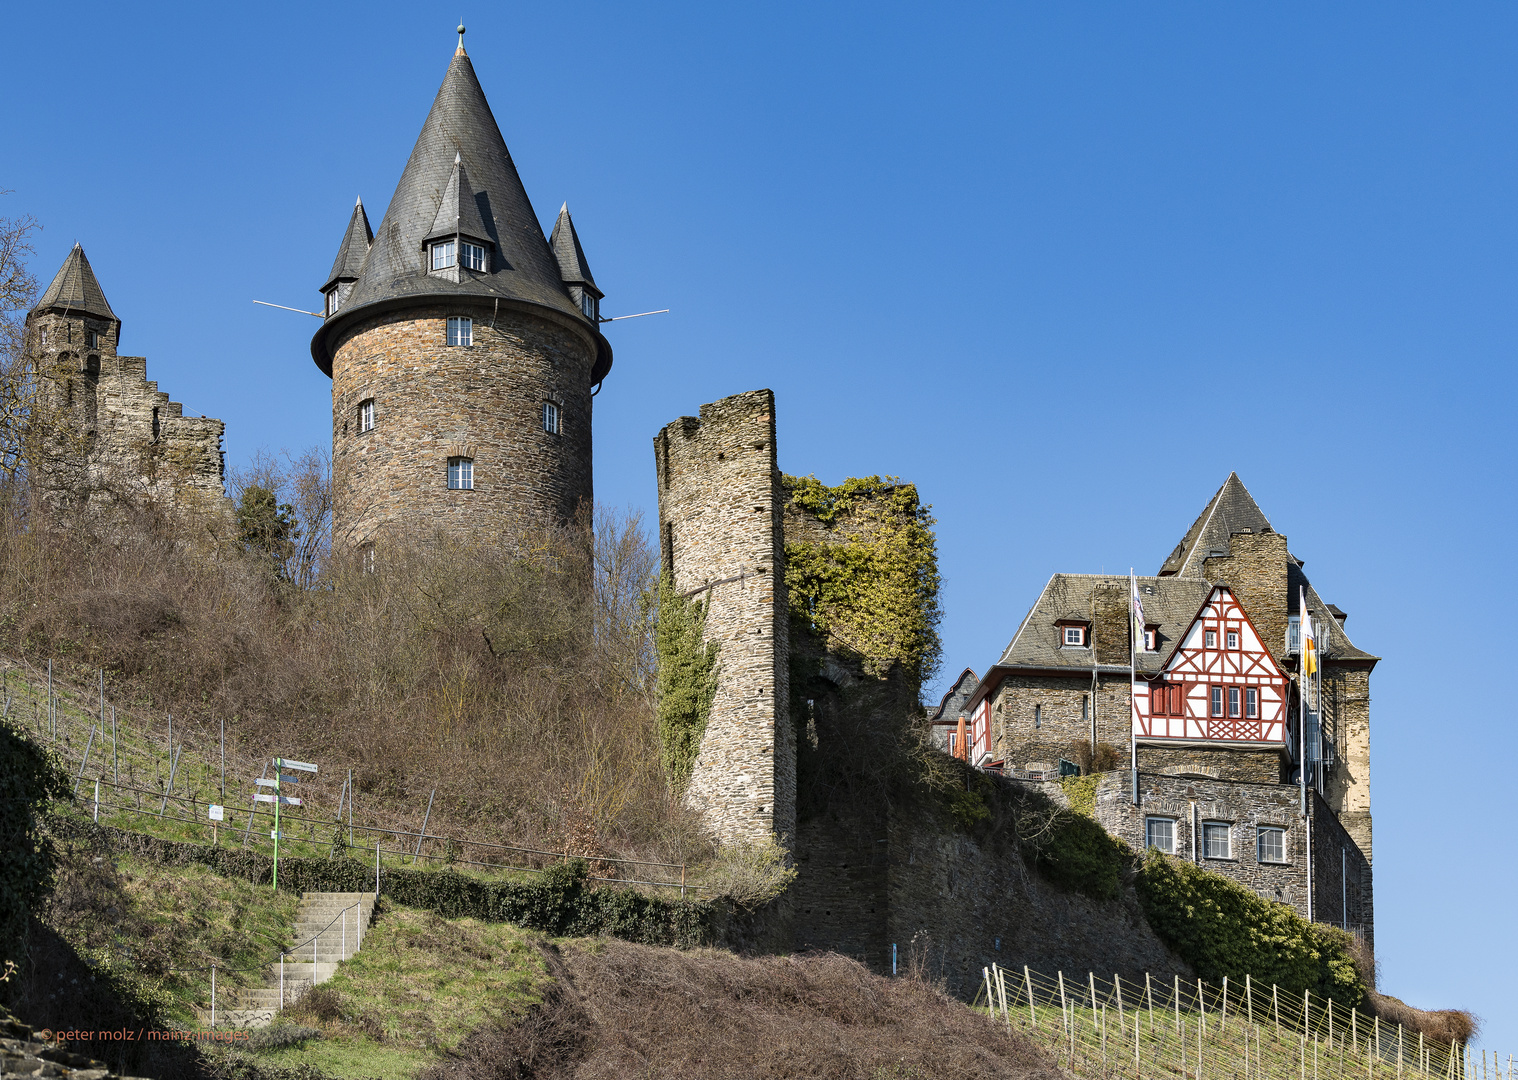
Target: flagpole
[(1133, 631), (1302, 695)]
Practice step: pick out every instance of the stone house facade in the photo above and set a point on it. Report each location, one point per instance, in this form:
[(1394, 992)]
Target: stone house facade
[(105, 438), (464, 347), (1204, 743)]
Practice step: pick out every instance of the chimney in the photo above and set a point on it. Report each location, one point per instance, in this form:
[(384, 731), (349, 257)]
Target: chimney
[(1256, 572)]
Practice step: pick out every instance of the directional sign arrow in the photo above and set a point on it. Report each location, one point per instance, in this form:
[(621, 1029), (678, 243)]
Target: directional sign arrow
[(303, 766), (261, 782), (283, 800)]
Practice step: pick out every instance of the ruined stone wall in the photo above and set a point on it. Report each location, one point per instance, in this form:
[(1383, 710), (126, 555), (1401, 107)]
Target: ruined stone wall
[(720, 506), (484, 401), (110, 437)]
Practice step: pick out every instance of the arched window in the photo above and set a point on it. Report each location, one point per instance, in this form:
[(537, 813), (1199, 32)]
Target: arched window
[(366, 415), (551, 418), (460, 474)]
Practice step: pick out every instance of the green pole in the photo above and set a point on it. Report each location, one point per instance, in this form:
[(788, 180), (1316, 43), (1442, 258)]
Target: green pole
[(278, 764)]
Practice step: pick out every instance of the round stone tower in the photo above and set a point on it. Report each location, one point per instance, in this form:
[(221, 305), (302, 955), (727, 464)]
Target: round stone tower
[(463, 346)]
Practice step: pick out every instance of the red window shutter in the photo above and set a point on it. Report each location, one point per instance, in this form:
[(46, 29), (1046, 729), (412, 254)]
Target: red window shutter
[(1177, 700)]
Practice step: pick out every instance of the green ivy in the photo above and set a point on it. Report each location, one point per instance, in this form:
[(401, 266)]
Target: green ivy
[(1224, 929), (687, 681), (30, 777), (1081, 793), (874, 592)]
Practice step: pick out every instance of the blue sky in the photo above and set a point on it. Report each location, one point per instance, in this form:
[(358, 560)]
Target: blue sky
[(1064, 266)]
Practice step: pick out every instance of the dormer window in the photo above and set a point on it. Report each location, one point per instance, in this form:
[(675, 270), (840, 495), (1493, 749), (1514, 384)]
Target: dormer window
[(1151, 639), (1072, 635), (443, 255), (332, 301), (472, 256), (590, 305)]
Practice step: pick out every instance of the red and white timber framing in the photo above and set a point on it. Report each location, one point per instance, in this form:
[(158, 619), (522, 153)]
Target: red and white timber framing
[(1220, 685)]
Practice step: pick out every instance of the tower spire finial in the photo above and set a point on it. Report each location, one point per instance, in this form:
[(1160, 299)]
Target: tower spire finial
[(461, 38)]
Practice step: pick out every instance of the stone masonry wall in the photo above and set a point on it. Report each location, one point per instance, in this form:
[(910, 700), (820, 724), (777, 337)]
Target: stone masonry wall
[(1346, 695), (113, 437), (484, 401), (1035, 718), (1341, 889), (1221, 763), (1257, 573), (720, 505)]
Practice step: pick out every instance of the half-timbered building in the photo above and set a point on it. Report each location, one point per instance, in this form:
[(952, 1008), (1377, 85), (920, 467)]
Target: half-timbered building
[(1200, 743)]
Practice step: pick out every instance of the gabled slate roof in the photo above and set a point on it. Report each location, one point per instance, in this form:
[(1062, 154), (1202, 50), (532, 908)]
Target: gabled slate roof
[(1171, 603), (459, 210), (75, 290), (1231, 510), (460, 127), (565, 242), (354, 250)]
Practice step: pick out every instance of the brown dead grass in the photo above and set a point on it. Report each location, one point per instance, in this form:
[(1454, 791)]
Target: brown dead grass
[(623, 1010), (1437, 1026)]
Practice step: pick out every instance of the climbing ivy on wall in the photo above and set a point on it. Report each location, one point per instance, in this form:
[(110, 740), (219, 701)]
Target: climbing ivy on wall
[(1224, 929), (687, 681), (871, 589)]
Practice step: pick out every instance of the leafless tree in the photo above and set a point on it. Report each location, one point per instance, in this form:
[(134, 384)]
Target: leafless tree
[(18, 290), (304, 482)]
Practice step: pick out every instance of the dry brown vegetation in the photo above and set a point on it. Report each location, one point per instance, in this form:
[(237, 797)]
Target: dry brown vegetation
[(511, 673), (621, 1010)]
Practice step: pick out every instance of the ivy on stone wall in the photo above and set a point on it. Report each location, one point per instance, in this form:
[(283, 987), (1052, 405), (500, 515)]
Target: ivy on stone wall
[(1224, 929), (687, 681), (874, 592)]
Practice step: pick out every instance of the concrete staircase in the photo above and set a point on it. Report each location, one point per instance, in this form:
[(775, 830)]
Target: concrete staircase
[(329, 928)]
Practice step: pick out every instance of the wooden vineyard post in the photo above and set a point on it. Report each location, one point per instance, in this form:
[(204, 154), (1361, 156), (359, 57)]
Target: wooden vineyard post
[(1149, 997), (1178, 1030), (990, 997), (1223, 1023), (1248, 998), (1064, 1014), (1117, 986), (1028, 982), (1275, 1001), (1201, 1007)]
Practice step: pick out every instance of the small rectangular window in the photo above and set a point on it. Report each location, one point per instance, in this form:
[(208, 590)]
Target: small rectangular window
[(1217, 701), (551, 418), (1233, 701), (1217, 840), (460, 330), (1075, 635), (91, 339), (1233, 639), (1159, 833), (366, 415), (1038, 716), (460, 474), (473, 256), (590, 306), (442, 255), (1251, 702), (1211, 638), (332, 301), (1272, 844), (1151, 640)]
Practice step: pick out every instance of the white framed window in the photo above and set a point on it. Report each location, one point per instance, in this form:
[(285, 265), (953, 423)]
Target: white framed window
[(472, 256), (1210, 638), (460, 474), (1251, 702), (1233, 701), (1270, 844), (1151, 640), (1217, 840), (442, 255), (590, 305), (1159, 833), (91, 339), (460, 330), (366, 415), (1074, 637), (1217, 701), (332, 301), (1232, 638), (552, 418)]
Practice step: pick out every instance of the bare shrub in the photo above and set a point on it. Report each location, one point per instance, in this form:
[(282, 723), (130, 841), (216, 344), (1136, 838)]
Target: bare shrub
[(749, 873), (1438, 1026)]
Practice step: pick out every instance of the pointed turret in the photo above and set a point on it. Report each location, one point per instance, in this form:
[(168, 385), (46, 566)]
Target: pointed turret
[(75, 291), (1231, 510), (574, 270), (350, 258), (459, 171)]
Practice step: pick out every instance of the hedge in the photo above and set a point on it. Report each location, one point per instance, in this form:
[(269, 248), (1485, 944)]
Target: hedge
[(562, 902)]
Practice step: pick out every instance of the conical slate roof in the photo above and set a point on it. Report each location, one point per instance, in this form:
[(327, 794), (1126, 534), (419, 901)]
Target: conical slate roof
[(1231, 510), (459, 211), (460, 128), (565, 242), (355, 248), (75, 290)]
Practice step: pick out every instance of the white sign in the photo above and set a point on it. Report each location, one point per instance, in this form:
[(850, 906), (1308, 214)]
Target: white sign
[(261, 782), (284, 800), (273, 834), (215, 812), (303, 766)]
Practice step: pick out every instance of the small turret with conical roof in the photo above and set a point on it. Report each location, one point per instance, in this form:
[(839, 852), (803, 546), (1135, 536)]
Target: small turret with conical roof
[(462, 348)]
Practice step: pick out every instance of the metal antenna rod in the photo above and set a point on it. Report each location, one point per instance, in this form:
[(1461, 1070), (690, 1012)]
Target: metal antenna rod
[(619, 318), (303, 311)]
